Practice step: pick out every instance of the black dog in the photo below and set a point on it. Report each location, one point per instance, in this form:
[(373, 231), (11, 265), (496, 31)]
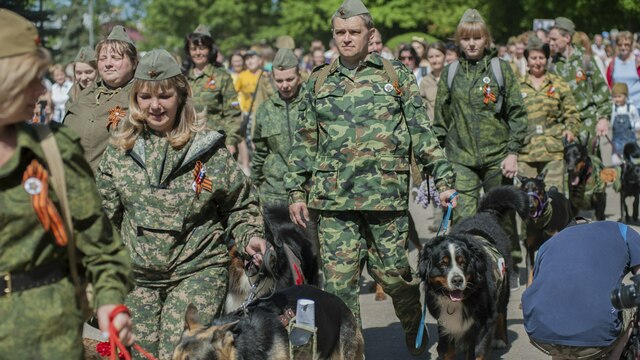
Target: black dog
[(549, 212), (465, 275), (289, 261), (630, 184), (583, 170), (262, 334)]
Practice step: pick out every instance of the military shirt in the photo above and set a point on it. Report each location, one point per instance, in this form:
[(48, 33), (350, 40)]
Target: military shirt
[(588, 86), (92, 112), (551, 111), (276, 121), (354, 138), (24, 244), (214, 89), (171, 231), (471, 132)]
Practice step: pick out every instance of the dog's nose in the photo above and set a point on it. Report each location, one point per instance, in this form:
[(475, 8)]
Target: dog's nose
[(457, 281)]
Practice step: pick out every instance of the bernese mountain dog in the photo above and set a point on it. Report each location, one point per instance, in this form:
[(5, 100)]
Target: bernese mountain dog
[(465, 275)]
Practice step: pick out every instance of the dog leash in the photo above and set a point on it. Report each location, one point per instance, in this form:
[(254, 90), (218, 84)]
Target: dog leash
[(114, 339), (443, 227)]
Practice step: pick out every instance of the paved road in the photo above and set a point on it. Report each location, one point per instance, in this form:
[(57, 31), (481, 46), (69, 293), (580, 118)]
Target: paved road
[(384, 338)]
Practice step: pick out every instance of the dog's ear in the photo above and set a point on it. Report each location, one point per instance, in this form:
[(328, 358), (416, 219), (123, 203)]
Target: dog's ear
[(565, 142), (424, 262), (191, 318), (224, 334)]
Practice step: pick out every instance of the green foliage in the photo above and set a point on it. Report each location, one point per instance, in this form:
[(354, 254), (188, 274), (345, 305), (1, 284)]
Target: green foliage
[(405, 38)]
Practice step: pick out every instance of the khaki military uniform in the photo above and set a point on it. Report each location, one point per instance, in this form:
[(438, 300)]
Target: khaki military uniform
[(213, 89), (353, 140), (177, 236), (97, 111), (45, 322)]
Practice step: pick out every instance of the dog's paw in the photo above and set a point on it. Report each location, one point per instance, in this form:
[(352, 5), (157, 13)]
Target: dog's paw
[(498, 344)]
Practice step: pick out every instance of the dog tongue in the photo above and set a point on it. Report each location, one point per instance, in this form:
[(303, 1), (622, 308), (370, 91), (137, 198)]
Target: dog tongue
[(575, 181), (456, 295)]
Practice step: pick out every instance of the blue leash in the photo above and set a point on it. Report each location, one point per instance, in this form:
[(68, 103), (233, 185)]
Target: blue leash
[(443, 227)]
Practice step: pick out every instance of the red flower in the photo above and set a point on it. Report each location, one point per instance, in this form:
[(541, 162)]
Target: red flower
[(104, 349)]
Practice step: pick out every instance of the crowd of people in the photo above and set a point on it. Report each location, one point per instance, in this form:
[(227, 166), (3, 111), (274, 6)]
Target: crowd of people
[(168, 156)]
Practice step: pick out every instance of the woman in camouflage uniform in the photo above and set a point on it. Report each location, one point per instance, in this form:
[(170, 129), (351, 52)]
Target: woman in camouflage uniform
[(175, 193), (40, 313), (552, 115), (99, 109)]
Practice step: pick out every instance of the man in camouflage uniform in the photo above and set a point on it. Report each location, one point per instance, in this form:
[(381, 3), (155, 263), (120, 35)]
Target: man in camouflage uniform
[(360, 118), (590, 91), (213, 88), (174, 208)]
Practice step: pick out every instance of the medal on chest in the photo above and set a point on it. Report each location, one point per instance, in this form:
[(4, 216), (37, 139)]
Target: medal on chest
[(115, 115), (200, 180), (487, 92), (580, 76), (551, 91), (211, 83)]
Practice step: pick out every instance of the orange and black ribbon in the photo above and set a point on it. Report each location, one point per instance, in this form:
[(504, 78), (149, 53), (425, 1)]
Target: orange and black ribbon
[(36, 176), (551, 91), (488, 95), (580, 76), (398, 88), (211, 83), (115, 115), (200, 180)]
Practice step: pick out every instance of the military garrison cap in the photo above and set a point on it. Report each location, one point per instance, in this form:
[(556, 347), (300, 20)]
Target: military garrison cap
[(351, 8), (620, 88), (85, 55), (17, 35), (285, 59), (471, 16), (285, 42), (565, 24), (156, 65), (120, 33), (202, 30), (534, 43)]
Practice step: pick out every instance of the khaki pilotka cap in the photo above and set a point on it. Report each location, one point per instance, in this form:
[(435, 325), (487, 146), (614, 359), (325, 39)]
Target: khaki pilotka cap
[(620, 88), (534, 43), (120, 33), (85, 55), (17, 35), (285, 42), (156, 65), (285, 59), (471, 16), (351, 8), (202, 30), (565, 24)]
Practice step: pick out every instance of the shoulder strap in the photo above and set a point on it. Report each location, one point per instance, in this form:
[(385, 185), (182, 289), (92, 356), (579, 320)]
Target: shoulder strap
[(453, 67), (56, 167), (497, 72), (322, 77), (390, 70)]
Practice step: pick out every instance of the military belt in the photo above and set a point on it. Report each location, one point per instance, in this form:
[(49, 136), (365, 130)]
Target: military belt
[(11, 282)]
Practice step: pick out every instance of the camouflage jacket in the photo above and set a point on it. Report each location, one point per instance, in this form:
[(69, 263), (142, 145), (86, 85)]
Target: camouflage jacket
[(469, 130), (24, 244), (588, 86), (214, 90), (354, 138), (551, 110), (170, 230), (275, 127), (92, 112)]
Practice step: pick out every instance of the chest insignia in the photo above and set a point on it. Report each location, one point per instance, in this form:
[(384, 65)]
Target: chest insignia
[(551, 91), (580, 76), (486, 80), (115, 115), (388, 87), (211, 83), (200, 180), (488, 94), (523, 94)]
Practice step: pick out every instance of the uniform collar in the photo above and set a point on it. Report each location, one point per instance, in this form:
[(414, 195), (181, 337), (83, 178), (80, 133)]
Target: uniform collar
[(278, 101), (527, 80), (371, 59), (207, 71)]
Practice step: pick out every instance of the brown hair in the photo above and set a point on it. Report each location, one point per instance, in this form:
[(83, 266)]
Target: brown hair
[(624, 35), (16, 73), (121, 48), (187, 122)]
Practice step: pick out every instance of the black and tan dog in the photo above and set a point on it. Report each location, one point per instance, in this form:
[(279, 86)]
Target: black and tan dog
[(630, 182), (586, 189), (261, 334), (466, 281), (549, 212)]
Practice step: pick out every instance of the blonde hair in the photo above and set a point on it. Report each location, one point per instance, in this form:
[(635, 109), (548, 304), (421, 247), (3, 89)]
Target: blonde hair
[(624, 35), (187, 122), (471, 29), (16, 73)]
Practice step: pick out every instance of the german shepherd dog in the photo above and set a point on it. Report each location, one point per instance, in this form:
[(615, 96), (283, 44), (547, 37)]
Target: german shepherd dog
[(466, 281), (261, 333), (549, 212), (581, 167), (289, 261), (630, 183)]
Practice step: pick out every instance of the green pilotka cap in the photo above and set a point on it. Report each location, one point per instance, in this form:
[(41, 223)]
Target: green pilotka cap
[(85, 55), (285, 59), (534, 43), (202, 30), (285, 42), (17, 35), (471, 16), (157, 64), (565, 24), (351, 8), (120, 33)]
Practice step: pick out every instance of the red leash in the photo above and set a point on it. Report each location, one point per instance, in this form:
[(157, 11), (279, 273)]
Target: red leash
[(114, 339)]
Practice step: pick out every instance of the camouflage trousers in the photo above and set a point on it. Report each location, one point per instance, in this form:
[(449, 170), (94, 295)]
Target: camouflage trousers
[(468, 182), (555, 173), (351, 239), (158, 313), (41, 323)]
